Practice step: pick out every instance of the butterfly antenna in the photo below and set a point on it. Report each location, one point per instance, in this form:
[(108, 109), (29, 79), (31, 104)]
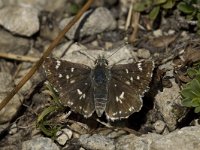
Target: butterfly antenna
[(88, 56), (118, 50)]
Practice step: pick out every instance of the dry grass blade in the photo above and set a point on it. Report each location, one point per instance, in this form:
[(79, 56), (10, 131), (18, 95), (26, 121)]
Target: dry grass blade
[(45, 54), (18, 57)]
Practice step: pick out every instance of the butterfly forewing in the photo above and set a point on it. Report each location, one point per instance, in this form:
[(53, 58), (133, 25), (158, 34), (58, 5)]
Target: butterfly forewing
[(127, 85), (72, 82)]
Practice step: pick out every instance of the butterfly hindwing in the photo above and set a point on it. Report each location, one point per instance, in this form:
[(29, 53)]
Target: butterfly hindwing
[(127, 85)]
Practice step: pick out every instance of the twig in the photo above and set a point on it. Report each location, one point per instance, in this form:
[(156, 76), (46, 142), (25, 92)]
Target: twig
[(135, 25), (128, 20), (45, 54), (18, 57), (135, 17)]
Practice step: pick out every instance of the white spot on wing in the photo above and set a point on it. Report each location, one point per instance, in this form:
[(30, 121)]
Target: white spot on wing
[(127, 71), (131, 108), (72, 81), (138, 77), (118, 99), (114, 114), (67, 76), (70, 103), (60, 76), (79, 92), (72, 69), (131, 78), (57, 64), (122, 95), (127, 82), (139, 66), (82, 96)]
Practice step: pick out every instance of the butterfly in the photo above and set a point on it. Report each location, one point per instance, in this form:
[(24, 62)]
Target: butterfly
[(116, 90)]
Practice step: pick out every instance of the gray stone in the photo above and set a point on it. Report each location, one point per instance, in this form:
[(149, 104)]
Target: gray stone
[(63, 136), (77, 53), (79, 129), (10, 110), (183, 139), (45, 5), (133, 142), (96, 142), (12, 44), (157, 33), (6, 82), (98, 21), (169, 105), (20, 20), (143, 53), (159, 126), (39, 143)]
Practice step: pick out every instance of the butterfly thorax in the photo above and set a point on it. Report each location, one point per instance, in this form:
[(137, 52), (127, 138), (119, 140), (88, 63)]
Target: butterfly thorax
[(100, 78)]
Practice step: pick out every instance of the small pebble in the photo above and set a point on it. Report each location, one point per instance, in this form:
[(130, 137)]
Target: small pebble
[(159, 126), (63, 136)]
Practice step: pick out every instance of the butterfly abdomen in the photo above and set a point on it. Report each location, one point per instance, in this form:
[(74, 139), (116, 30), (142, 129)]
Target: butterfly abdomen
[(100, 77)]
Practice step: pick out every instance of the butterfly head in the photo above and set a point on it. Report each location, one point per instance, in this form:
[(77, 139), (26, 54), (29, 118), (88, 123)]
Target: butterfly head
[(101, 61)]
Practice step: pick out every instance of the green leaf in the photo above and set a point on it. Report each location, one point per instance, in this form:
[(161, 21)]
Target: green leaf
[(48, 129), (139, 7), (187, 93), (198, 23), (74, 8), (158, 2), (196, 102), (192, 72), (195, 87), (197, 109), (198, 32), (46, 112), (187, 102), (154, 13), (188, 9), (198, 16), (169, 4)]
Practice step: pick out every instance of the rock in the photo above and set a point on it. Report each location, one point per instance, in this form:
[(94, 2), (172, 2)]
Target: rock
[(183, 139), (133, 142), (10, 110), (79, 129), (169, 105), (13, 129), (159, 126), (39, 143), (12, 44), (1, 3), (143, 53), (96, 142), (25, 90), (6, 82), (20, 20), (157, 33), (91, 23), (63, 136), (44, 5), (77, 53)]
